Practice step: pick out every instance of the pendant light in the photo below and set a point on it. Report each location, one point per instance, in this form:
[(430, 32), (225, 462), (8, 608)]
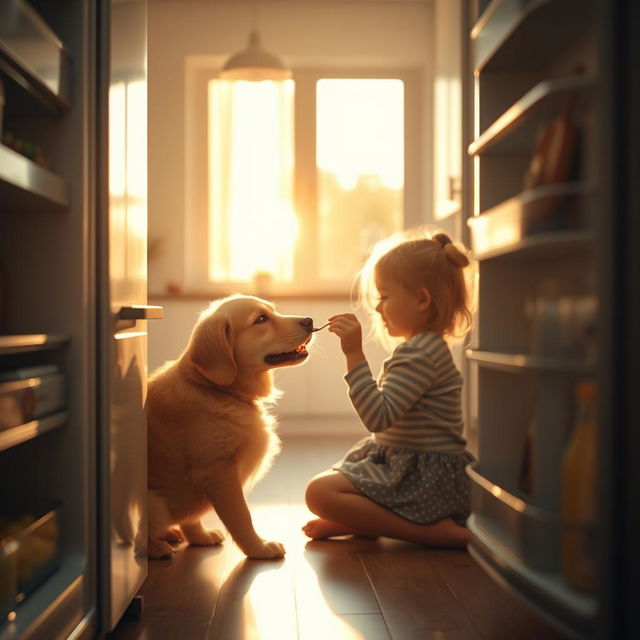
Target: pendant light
[(255, 63)]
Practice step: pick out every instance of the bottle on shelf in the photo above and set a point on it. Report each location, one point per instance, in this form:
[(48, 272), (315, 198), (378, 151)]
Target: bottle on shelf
[(579, 493)]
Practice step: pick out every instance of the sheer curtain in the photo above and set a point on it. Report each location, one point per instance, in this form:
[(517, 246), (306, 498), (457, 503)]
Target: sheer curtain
[(252, 222)]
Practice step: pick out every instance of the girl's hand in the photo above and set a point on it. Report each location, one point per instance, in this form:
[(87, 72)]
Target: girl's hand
[(348, 329)]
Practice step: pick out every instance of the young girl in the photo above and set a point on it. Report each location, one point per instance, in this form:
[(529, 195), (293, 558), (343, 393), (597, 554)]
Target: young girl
[(407, 480)]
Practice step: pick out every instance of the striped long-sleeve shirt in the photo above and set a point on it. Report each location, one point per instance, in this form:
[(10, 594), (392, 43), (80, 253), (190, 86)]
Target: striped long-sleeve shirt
[(416, 402)]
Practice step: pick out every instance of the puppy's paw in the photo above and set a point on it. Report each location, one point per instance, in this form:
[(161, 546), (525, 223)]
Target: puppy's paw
[(159, 549), (205, 537), (174, 535), (266, 550)]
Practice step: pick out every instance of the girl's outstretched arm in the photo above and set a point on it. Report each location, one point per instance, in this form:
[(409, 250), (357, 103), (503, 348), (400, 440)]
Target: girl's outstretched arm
[(348, 329)]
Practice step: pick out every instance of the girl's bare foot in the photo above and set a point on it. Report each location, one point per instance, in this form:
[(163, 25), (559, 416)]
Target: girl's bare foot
[(319, 529)]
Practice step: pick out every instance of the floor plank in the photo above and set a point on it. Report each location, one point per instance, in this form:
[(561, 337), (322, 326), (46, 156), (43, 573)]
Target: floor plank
[(414, 600), (344, 589), (496, 613), (194, 577), (343, 627), (162, 628), (256, 602), (336, 568)]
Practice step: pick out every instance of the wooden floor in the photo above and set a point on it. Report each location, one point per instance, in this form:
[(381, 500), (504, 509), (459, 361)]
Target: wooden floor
[(340, 589)]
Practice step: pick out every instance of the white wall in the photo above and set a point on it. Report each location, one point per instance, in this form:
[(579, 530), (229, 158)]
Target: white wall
[(306, 33)]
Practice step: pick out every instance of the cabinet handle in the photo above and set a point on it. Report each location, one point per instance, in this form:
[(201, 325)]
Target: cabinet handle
[(141, 312)]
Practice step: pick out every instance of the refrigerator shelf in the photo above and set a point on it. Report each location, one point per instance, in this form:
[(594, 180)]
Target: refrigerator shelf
[(24, 343), (515, 130), (34, 529), (547, 216), (528, 532), (506, 37), (33, 57), (26, 186), (24, 432), (493, 26), (55, 608), (541, 245), (520, 362), (546, 591)]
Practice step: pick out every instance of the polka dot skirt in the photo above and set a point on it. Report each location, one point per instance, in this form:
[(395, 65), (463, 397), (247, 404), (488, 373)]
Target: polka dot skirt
[(422, 486)]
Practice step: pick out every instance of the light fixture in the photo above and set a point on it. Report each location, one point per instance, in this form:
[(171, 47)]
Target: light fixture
[(255, 63)]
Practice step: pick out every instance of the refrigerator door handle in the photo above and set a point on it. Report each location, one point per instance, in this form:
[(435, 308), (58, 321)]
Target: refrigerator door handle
[(141, 312)]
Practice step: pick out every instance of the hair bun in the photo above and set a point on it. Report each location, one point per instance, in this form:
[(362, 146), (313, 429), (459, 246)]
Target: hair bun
[(442, 239), (454, 255)]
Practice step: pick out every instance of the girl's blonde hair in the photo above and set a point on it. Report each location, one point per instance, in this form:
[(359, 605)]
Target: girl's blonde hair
[(419, 258)]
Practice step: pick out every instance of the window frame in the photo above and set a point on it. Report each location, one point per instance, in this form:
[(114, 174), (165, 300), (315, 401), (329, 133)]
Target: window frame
[(305, 282)]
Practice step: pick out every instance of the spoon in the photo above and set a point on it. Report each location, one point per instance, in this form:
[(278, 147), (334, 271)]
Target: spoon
[(322, 327)]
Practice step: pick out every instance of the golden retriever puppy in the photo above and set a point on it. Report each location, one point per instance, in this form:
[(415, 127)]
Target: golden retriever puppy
[(210, 434)]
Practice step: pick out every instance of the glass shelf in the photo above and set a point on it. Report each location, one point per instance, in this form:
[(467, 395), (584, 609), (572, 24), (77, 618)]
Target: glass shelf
[(54, 609), (572, 611), (11, 344), (516, 129), (524, 362), (24, 432), (26, 186), (32, 56), (506, 37), (527, 221), (529, 532)]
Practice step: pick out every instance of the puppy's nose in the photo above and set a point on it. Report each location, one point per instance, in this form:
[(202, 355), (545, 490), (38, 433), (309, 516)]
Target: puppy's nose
[(307, 323)]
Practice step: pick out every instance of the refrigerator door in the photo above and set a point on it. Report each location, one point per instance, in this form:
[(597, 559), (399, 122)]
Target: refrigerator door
[(122, 250), (124, 528)]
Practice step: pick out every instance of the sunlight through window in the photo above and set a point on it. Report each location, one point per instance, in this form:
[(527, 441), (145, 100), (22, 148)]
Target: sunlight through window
[(127, 180), (360, 160), (253, 226), (349, 180)]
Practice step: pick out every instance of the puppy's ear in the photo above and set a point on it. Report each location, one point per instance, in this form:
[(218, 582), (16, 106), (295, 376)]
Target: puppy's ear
[(212, 351)]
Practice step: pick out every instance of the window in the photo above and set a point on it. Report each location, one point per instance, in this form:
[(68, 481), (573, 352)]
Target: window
[(292, 182), (252, 223), (360, 169)]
